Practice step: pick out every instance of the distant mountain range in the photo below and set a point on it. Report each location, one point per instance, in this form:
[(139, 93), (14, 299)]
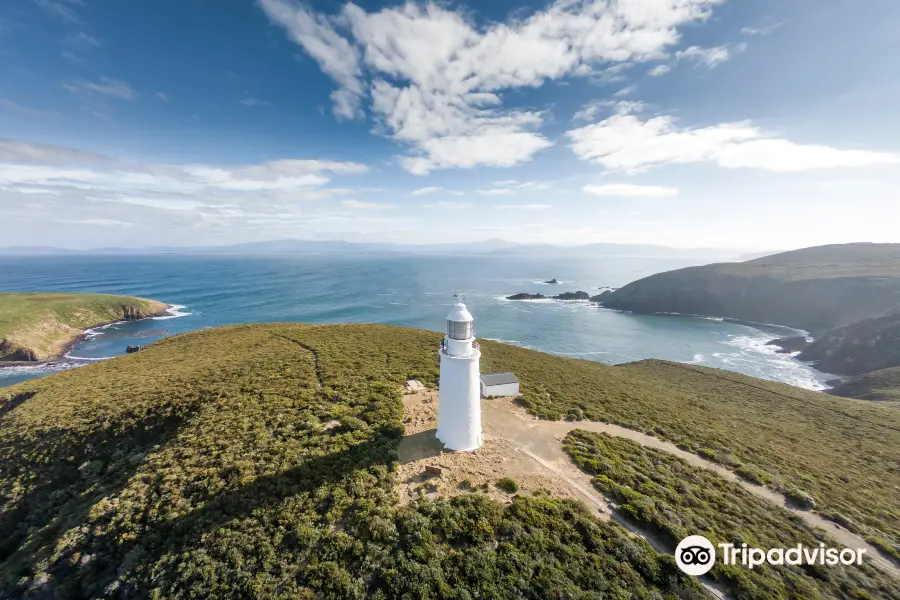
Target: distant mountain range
[(497, 247)]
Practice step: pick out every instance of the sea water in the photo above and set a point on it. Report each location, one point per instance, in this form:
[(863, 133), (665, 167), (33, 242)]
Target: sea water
[(408, 290)]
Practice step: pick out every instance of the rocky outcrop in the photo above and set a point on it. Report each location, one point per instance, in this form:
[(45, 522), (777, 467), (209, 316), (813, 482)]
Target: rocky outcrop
[(869, 345), (11, 352), (552, 281), (579, 295), (789, 345), (601, 296)]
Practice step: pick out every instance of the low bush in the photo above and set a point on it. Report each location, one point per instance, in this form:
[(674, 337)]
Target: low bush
[(508, 485)]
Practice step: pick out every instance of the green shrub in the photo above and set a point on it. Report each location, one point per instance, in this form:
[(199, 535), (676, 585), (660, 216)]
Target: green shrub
[(752, 475), (799, 498), (508, 485)]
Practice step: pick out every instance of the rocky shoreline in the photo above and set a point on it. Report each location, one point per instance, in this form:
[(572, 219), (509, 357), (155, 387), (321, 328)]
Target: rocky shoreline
[(29, 358), (578, 295)]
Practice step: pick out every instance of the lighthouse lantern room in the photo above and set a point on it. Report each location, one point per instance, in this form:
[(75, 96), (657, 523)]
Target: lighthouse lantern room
[(459, 411)]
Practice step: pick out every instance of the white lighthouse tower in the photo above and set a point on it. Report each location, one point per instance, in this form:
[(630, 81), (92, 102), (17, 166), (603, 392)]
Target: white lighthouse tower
[(459, 411)]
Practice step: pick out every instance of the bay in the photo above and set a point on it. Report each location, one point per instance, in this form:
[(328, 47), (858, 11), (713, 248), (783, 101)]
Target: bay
[(408, 290)]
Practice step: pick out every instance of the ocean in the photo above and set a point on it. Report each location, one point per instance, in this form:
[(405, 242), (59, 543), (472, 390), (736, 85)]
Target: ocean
[(408, 290)]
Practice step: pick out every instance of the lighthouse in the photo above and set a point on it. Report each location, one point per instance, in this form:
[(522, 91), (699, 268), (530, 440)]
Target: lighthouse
[(459, 411)]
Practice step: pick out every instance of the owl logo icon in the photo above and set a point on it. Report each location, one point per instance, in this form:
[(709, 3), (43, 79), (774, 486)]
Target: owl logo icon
[(695, 555)]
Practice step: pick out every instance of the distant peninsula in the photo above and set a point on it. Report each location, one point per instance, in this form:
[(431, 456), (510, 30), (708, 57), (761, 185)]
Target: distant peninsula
[(42, 326), (847, 296)]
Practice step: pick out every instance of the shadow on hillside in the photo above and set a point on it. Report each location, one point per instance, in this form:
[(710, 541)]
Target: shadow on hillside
[(70, 471), (418, 446), (185, 532)]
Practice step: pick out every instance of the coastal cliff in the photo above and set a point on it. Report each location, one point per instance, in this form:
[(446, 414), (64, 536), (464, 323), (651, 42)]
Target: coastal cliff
[(816, 289), (845, 295), (869, 345), (42, 326)]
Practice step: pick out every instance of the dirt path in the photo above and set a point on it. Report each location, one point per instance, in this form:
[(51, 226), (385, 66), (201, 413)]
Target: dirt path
[(529, 450), (502, 418)]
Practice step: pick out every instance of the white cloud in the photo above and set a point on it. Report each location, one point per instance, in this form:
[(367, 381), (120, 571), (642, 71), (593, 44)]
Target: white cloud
[(36, 169), (497, 192), (29, 191), (366, 205), (626, 91), (163, 97), (659, 70), (105, 87), (590, 110), (81, 40), (17, 151), (765, 30), (625, 190), (251, 102), (709, 57), (61, 8), (625, 142), (335, 55), (425, 190), (523, 206), (448, 205), (437, 77), (100, 222)]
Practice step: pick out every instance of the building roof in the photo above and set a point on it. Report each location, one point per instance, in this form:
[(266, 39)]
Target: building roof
[(498, 378)]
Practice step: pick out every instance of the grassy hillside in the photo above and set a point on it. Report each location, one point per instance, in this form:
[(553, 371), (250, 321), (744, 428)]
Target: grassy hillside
[(206, 465), (883, 386), (202, 467), (38, 326), (673, 499), (845, 453), (817, 289), (823, 262)]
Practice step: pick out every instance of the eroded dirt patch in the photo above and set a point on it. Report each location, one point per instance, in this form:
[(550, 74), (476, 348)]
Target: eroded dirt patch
[(427, 469)]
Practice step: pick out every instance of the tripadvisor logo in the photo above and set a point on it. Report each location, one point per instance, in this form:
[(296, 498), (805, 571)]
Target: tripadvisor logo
[(696, 555)]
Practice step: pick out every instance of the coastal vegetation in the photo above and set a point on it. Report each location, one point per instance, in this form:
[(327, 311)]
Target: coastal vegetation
[(672, 499), (844, 453), (881, 386), (258, 461), (39, 326)]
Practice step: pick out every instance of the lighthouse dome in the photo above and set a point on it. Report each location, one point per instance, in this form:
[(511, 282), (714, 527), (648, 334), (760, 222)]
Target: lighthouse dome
[(460, 324)]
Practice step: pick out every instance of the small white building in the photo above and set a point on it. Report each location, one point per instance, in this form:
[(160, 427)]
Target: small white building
[(499, 384)]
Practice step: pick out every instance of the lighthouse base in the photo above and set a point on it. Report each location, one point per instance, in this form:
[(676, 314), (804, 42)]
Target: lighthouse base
[(459, 411)]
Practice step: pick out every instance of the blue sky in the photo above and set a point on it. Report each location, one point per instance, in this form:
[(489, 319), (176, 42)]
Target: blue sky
[(729, 123)]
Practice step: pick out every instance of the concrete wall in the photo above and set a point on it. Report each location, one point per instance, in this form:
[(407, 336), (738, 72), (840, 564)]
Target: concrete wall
[(506, 389)]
